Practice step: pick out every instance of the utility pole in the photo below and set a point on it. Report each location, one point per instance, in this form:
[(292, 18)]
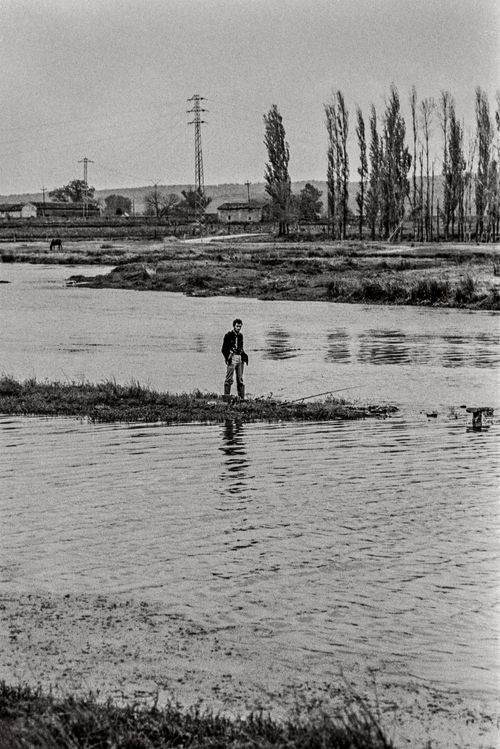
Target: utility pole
[(198, 154), (43, 198), (85, 205), (248, 192)]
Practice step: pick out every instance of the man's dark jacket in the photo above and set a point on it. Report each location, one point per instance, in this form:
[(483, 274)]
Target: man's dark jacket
[(233, 344)]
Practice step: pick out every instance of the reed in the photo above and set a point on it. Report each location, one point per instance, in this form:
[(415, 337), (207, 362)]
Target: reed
[(109, 402)]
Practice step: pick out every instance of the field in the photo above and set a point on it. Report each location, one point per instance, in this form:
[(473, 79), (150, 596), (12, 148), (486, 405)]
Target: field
[(445, 275)]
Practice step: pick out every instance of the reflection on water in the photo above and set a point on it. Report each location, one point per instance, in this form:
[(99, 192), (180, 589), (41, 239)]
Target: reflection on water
[(234, 475), (278, 345), (338, 348), (387, 347), (481, 350), (341, 543)]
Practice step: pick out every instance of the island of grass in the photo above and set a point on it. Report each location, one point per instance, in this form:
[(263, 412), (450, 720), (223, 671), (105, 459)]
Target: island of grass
[(356, 272), (437, 275), (110, 402), (29, 718)]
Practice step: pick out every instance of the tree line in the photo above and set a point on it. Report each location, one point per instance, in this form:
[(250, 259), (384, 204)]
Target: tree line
[(397, 186)]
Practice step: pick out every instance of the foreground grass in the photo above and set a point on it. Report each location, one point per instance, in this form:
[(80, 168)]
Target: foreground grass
[(30, 718), (108, 401)]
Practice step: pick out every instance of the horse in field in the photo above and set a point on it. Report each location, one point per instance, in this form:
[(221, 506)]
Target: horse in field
[(56, 244)]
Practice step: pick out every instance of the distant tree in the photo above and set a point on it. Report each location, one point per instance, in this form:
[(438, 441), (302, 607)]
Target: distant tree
[(278, 184), (416, 203), (117, 205), (152, 202), (362, 169), (170, 204), (427, 107), (395, 165), (165, 205), (453, 173), (373, 198), (73, 192), (484, 132), (337, 124), (445, 103), (492, 207), (309, 204), (193, 203)]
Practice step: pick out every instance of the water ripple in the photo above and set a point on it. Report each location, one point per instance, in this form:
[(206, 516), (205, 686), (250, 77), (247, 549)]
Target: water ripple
[(377, 540)]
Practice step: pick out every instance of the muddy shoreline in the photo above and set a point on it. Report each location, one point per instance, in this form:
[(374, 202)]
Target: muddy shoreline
[(138, 651)]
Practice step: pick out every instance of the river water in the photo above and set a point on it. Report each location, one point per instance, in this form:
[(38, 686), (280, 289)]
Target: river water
[(370, 544)]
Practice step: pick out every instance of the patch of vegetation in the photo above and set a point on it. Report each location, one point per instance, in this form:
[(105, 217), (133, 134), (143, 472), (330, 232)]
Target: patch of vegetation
[(108, 402), (29, 718)]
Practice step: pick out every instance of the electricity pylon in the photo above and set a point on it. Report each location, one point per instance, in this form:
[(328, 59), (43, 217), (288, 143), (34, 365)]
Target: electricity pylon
[(198, 154), (85, 205)]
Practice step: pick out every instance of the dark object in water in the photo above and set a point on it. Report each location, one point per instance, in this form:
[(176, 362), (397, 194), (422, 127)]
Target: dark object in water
[(56, 243), (477, 415)]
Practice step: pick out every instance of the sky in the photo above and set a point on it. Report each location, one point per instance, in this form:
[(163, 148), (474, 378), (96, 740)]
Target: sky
[(110, 80)]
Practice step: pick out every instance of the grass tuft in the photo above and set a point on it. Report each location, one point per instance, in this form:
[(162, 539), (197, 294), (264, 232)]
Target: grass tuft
[(29, 718)]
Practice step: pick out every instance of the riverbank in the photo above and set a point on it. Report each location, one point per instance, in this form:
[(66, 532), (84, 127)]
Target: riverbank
[(141, 653), (440, 275), (108, 402)]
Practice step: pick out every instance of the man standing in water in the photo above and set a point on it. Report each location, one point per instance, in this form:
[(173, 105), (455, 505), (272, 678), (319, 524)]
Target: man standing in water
[(235, 358)]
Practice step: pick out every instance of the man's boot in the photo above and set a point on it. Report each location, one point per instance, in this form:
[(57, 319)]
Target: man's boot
[(241, 392), (227, 392)]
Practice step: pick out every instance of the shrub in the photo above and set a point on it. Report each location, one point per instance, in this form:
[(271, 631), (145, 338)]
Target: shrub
[(335, 289), (465, 293), (429, 291)]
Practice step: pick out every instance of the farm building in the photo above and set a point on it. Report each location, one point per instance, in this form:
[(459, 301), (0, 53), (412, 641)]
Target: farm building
[(39, 209), (240, 212), (17, 210)]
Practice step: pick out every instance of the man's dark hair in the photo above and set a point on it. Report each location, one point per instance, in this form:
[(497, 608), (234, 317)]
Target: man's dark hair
[(237, 320)]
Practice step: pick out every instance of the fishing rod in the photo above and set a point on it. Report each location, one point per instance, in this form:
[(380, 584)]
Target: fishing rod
[(327, 392), (316, 395)]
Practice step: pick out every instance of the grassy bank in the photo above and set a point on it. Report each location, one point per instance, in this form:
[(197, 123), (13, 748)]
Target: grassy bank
[(438, 275), (108, 401), (30, 718), (444, 275)]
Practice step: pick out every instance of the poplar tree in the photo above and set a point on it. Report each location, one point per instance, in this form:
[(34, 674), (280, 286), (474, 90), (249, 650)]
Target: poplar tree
[(362, 169), (278, 183), (445, 104), (331, 170), (337, 124), (415, 203), (454, 178), (484, 140), (373, 190), (396, 162), (426, 112)]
